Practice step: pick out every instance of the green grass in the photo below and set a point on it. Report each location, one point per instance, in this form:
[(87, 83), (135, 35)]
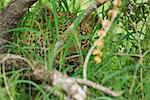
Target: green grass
[(115, 71)]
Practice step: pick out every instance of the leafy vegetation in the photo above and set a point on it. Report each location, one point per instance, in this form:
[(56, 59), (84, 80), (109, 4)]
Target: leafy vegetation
[(125, 64)]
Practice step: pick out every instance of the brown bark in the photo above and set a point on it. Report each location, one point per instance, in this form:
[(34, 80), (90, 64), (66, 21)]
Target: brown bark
[(11, 15)]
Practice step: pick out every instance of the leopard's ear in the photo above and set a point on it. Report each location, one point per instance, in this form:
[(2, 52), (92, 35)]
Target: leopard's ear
[(91, 20), (45, 10)]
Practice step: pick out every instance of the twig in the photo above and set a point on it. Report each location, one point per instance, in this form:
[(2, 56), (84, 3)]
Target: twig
[(71, 57), (145, 53), (5, 80), (134, 78), (141, 79), (93, 47), (99, 87), (85, 65), (18, 57)]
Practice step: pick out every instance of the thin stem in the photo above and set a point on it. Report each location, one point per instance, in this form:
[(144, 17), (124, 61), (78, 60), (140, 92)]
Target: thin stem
[(99, 87), (85, 64), (140, 58), (92, 48), (5, 80)]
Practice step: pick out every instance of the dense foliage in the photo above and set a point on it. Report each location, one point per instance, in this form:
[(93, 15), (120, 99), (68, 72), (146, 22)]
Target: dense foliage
[(125, 64)]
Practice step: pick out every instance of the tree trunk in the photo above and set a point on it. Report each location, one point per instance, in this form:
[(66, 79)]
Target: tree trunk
[(11, 15)]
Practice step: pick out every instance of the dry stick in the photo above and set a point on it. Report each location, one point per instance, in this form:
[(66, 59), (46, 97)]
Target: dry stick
[(70, 85), (67, 84), (87, 83), (145, 53), (56, 78), (134, 78), (141, 79), (4, 76), (5, 58), (99, 87), (13, 56), (85, 65), (18, 57), (90, 52), (71, 57), (5, 82)]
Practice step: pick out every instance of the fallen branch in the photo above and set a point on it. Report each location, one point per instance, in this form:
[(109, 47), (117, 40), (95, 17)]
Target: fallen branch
[(71, 86)]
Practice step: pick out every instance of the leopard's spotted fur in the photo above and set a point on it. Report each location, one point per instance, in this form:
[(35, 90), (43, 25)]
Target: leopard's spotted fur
[(39, 42)]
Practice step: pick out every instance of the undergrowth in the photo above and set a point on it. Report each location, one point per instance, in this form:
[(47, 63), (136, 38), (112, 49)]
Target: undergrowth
[(128, 36)]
